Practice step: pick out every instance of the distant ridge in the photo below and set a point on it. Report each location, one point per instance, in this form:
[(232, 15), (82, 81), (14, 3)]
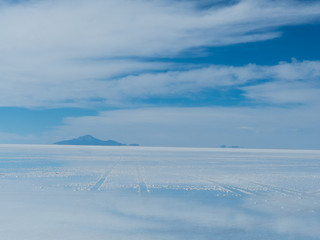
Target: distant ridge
[(90, 140)]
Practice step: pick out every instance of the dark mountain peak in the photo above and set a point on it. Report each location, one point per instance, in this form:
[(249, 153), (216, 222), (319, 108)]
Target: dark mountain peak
[(90, 140), (87, 138)]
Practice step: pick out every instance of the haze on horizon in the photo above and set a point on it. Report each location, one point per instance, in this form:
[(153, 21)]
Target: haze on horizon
[(161, 73)]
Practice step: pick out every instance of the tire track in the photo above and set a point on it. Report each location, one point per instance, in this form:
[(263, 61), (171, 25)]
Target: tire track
[(226, 187), (314, 192), (284, 191), (232, 189), (102, 179), (141, 182)]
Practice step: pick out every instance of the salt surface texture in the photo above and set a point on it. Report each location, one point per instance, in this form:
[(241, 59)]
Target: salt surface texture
[(88, 192)]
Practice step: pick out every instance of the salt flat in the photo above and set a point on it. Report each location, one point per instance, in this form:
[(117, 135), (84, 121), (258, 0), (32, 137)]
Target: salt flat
[(90, 192)]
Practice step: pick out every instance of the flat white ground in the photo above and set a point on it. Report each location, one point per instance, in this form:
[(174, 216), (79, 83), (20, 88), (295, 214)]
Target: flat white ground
[(67, 192)]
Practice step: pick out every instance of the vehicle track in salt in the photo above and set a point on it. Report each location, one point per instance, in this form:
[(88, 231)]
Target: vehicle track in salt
[(226, 187), (235, 190), (281, 190), (143, 189), (315, 192), (103, 178)]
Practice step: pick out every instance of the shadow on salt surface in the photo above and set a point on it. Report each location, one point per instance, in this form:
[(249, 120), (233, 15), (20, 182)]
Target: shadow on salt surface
[(80, 215), (50, 213)]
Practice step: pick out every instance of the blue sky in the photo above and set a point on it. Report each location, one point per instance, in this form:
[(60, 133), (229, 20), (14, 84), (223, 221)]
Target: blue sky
[(161, 73)]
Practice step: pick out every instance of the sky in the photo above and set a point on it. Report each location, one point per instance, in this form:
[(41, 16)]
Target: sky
[(187, 73)]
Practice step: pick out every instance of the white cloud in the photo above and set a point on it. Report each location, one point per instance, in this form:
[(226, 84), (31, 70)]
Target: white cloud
[(122, 28), (295, 82), (284, 93), (53, 52)]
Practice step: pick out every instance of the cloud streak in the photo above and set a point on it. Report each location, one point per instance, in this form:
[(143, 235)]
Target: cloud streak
[(55, 53), (288, 83), (138, 28), (295, 82)]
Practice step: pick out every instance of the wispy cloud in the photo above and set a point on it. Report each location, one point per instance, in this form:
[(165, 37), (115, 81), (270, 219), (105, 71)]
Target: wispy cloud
[(295, 82), (124, 28), (55, 53)]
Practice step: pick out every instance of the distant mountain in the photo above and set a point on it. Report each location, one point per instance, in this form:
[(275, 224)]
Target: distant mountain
[(89, 140), (224, 146)]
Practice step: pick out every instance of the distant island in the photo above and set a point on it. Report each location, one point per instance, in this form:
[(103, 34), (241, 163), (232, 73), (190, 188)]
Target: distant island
[(90, 140), (225, 146)]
